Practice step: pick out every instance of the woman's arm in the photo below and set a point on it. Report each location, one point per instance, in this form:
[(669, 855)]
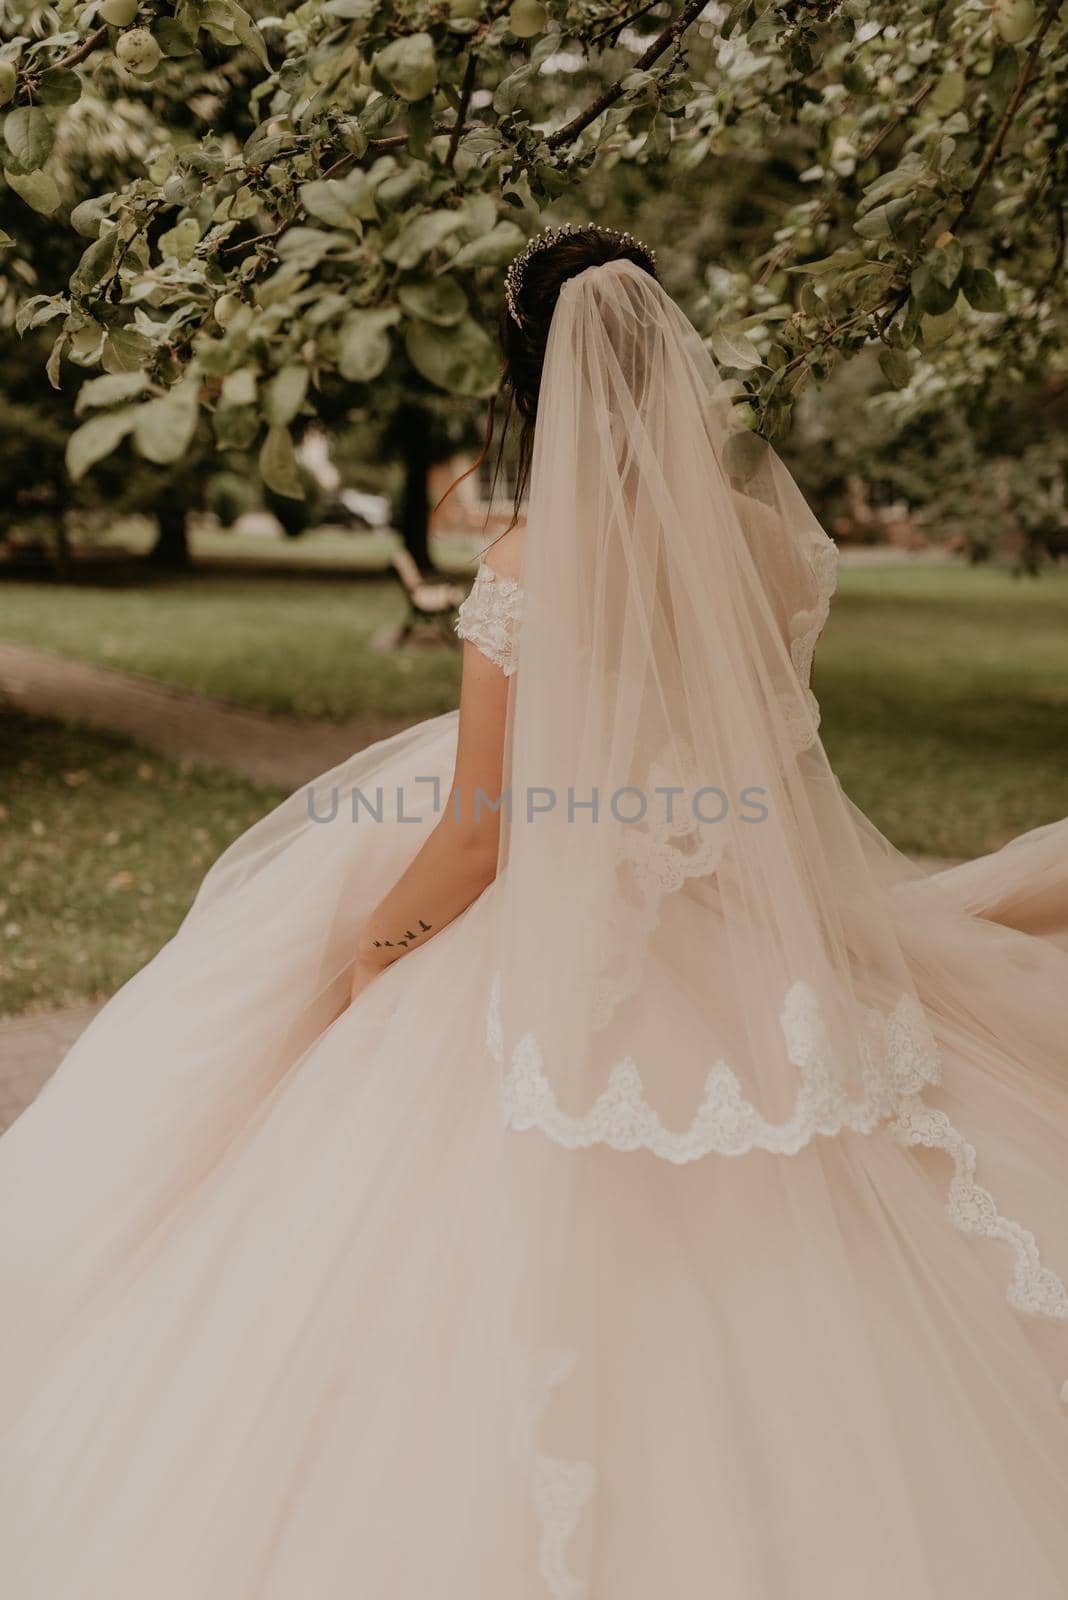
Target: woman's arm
[(459, 858)]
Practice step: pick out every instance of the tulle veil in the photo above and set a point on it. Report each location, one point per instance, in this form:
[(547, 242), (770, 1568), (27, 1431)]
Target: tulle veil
[(671, 807)]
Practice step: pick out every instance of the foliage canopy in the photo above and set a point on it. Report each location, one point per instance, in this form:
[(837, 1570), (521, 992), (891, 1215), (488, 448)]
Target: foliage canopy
[(370, 166)]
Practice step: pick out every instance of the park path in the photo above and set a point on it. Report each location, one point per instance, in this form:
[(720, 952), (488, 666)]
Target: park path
[(179, 722), (31, 1049)]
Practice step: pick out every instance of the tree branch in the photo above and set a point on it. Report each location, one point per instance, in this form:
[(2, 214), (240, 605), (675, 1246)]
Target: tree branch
[(776, 259), (621, 21), (86, 48), (466, 91), (993, 150), (608, 97)]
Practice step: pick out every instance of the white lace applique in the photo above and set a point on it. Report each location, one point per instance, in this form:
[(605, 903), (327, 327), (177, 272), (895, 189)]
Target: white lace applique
[(658, 857), (899, 1061), (898, 1058), (490, 618), (560, 1489), (805, 630), (1035, 1289)]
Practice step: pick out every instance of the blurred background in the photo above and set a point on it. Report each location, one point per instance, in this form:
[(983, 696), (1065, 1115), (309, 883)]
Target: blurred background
[(250, 281)]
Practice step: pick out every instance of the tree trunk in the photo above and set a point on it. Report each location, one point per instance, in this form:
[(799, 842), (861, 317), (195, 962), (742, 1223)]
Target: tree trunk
[(413, 436), (62, 557), (171, 549)]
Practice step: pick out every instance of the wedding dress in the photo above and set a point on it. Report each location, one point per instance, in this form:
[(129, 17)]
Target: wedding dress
[(685, 1219)]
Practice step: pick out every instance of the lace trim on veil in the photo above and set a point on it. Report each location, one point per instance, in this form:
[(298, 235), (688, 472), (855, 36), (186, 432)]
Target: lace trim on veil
[(560, 1489), (805, 630), (900, 1060), (1035, 1290)]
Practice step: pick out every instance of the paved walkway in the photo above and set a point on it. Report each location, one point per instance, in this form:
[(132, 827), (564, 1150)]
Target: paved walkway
[(180, 723), (31, 1049)]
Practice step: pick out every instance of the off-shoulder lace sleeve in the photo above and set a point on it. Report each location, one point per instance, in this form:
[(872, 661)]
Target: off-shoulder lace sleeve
[(490, 618)]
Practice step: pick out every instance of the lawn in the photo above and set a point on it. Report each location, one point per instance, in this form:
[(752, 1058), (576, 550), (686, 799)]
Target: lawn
[(944, 688), (945, 702), (101, 851), (299, 644)]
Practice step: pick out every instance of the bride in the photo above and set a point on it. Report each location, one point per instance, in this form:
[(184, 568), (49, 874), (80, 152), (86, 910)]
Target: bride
[(567, 1152)]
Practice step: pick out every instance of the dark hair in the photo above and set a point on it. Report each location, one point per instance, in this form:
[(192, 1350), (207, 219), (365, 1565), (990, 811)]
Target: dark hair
[(523, 344)]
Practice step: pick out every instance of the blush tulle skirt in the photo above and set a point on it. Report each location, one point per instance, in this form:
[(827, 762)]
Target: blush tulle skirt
[(290, 1313)]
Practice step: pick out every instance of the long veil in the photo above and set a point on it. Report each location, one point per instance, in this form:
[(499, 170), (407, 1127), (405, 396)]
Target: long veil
[(673, 832)]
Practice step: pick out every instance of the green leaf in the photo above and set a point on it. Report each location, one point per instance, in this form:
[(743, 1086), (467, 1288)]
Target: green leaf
[(395, 191), (743, 455), (929, 294), (896, 368), (29, 135), (364, 346), (39, 309), (278, 464), (97, 438), (110, 389), (461, 360), (409, 66), (125, 350), (880, 222), (235, 427), (284, 395), (731, 347), (59, 86), (935, 330), (87, 218), (181, 240), (946, 261), (304, 248), (838, 262), (982, 290), (239, 388), (341, 202), (55, 360), (423, 234), (948, 93), (494, 249), (441, 300), (95, 263), (174, 40), (164, 428), (38, 189), (250, 35)]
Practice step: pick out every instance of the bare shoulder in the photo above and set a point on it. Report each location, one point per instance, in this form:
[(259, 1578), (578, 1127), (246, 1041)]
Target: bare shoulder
[(505, 555)]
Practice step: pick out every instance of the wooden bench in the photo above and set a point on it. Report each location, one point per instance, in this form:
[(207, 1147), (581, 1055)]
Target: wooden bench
[(428, 601)]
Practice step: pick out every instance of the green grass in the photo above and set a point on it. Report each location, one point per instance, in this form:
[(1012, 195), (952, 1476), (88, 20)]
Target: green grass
[(944, 688), (945, 702), (101, 851), (293, 644)]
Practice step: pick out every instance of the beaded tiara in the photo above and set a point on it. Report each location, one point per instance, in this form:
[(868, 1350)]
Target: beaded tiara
[(513, 281)]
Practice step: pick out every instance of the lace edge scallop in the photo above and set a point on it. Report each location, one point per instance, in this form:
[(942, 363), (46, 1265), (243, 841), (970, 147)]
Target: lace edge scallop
[(560, 1489), (1035, 1290), (898, 1057), (805, 630), (728, 1124)]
